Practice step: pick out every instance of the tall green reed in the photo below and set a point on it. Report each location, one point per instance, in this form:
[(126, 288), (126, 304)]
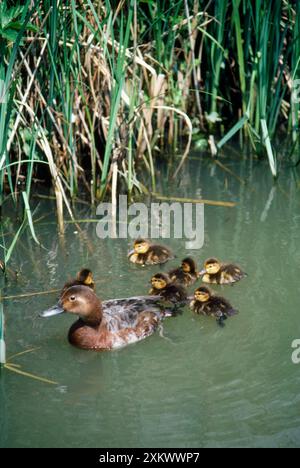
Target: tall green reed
[(2, 338)]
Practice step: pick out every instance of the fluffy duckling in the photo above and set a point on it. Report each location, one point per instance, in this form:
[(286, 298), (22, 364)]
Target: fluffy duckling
[(145, 253), (111, 324), (215, 272), (206, 303), (83, 278), (163, 286), (186, 274)]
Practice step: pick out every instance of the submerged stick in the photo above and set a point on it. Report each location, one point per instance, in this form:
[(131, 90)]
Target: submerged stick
[(41, 293), (193, 200), (226, 169), (51, 197), (83, 221)]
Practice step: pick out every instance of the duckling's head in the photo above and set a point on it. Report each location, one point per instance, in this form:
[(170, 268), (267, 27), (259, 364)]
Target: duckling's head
[(188, 265), (203, 294), (141, 246), (212, 266), (85, 276), (160, 281), (79, 300)]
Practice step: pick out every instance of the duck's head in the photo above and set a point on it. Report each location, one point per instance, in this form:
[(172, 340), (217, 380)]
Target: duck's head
[(202, 294), (141, 246), (81, 301), (85, 276), (188, 265), (212, 266), (160, 281)]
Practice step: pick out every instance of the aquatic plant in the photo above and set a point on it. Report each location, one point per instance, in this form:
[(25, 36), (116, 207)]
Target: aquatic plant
[(2, 340)]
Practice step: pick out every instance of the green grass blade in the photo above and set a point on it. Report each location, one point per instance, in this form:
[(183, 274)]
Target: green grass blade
[(267, 143), (29, 217), (2, 340), (238, 126), (9, 251)]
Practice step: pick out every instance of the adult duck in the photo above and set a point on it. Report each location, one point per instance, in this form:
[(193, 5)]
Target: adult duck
[(111, 324)]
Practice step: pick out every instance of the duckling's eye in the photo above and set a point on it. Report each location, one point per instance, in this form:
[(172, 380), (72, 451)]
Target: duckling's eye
[(72, 298)]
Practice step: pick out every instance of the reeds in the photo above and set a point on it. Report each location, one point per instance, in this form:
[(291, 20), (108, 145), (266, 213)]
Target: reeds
[(2, 339), (95, 91)]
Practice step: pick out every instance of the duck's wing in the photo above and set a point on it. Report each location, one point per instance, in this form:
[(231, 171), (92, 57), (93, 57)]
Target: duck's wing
[(232, 273), (176, 272), (131, 301), (158, 254), (124, 313), (180, 277), (176, 293), (223, 307)]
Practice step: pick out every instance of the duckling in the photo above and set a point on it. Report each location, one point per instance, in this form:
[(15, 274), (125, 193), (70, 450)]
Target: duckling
[(206, 303), (83, 278), (216, 272), (186, 274), (109, 325), (163, 286), (145, 253)]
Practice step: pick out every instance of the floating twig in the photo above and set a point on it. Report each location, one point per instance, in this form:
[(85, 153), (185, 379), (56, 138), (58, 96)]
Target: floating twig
[(195, 200), (21, 354), (13, 368), (17, 368)]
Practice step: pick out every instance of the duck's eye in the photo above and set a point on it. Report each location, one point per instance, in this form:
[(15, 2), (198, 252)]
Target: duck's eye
[(72, 298)]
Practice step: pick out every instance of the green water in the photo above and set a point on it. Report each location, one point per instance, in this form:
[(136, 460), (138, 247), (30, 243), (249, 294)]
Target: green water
[(202, 386)]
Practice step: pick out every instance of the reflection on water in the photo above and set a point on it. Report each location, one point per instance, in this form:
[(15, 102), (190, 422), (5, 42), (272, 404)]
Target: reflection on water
[(203, 386)]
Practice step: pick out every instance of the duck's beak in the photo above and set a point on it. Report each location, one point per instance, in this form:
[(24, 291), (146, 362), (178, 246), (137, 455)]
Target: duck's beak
[(131, 253), (202, 272), (55, 310)]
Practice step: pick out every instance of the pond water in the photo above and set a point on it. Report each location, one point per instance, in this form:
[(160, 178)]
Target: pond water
[(201, 385)]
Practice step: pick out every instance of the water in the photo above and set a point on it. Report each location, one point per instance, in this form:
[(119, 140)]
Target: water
[(203, 386)]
